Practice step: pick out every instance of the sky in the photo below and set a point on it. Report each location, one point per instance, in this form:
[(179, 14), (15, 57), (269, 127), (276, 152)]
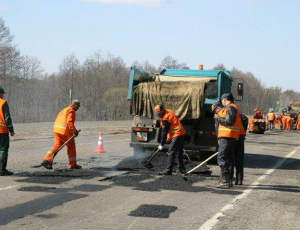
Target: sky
[(258, 36)]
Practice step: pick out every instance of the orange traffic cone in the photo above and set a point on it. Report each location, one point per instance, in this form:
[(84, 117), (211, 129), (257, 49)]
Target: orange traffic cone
[(100, 148)]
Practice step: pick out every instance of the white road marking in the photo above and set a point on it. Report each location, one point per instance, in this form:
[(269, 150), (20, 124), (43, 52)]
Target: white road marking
[(210, 223), (8, 187)]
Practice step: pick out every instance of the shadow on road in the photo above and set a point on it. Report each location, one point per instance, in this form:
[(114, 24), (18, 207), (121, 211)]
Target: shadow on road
[(253, 160), (58, 197), (280, 188), (145, 181), (36, 206)]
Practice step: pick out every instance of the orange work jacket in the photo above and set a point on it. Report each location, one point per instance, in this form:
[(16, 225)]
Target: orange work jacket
[(3, 127), (176, 128), (298, 122), (64, 122), (271, 117), (233, 131)]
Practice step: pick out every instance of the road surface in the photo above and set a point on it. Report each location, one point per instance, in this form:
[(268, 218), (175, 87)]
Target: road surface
[(104, 195)]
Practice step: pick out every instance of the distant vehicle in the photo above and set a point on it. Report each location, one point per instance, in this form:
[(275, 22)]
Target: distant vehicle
[(190, 93)]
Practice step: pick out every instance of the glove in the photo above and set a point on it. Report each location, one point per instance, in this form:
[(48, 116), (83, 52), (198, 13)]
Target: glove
[(76, 133), (160, 147)]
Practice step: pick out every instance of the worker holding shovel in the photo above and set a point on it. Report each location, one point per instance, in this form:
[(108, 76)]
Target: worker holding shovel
[(64, 133), (172, 132)]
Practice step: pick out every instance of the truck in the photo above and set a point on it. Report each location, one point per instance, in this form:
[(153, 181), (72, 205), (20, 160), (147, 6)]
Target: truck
[(189, 93)]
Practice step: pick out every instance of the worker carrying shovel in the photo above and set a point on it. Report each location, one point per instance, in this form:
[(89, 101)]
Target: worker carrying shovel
[(64, 132), (172, 132)]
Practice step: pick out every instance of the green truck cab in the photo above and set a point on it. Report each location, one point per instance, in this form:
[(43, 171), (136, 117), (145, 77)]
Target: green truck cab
[(199, 123)]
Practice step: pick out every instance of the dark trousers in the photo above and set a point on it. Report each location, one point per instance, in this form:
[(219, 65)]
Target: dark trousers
[(4, 145), (175, 150), (239, 160), (226, 151)]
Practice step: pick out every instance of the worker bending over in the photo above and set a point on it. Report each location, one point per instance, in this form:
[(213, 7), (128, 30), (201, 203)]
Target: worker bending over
[(172, 132), (64, 129), (229, 131)]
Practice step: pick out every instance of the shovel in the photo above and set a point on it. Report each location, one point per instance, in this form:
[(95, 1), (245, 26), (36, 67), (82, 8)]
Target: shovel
[(60, 148), (199, 165), (147, 163)]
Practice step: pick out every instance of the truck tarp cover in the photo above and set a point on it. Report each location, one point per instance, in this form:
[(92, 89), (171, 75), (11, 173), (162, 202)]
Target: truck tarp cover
[(183, 97)]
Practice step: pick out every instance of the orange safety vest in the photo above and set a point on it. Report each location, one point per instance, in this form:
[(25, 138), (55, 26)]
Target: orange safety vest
[(233, 131), (176, 128), (3, 127), (271, 117), (298, 122), (64, 122)]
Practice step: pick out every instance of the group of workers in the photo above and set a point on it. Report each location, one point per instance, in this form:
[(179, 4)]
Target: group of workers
[(231, 127), (284, 121)]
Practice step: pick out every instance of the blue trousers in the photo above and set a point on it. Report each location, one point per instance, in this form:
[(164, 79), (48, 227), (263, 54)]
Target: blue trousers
[(227, 148)]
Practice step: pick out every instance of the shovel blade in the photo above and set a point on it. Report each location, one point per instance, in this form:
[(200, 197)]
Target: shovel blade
[(147, 165)]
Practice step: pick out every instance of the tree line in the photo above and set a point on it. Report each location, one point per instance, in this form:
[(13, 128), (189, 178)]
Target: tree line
[(100, 82)]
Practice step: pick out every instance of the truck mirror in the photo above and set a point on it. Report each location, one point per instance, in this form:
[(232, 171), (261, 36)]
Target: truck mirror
[(240, 89)]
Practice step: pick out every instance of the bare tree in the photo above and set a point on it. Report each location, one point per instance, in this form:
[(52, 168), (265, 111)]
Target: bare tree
[(30, 67), (171, 63)]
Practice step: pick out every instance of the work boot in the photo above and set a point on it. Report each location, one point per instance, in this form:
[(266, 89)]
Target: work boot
[(165, 172), (225, 182), (76, 167), (47, 165), (238, 180), (5, 172), (231, 182)]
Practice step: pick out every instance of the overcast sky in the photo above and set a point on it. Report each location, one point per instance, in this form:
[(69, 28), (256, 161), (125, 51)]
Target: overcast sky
[(258, 36)]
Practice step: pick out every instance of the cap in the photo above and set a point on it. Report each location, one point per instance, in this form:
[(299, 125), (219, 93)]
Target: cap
[(227, 96), (1, 90), (75, 102)]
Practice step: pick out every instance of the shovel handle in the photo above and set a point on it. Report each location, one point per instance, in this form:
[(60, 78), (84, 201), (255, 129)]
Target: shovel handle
[(64, 144), (202, 163)]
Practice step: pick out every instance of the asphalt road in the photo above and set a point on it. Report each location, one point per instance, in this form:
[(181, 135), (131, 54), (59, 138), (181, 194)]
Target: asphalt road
[(101, 196)]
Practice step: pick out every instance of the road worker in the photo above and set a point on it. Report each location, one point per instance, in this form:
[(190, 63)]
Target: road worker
[(278, 122), (239, 153), (63, 129), (271, 119), (298, 122), (173, 133), (6, 128), (257, 114), (288, 122), (229, 131)]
